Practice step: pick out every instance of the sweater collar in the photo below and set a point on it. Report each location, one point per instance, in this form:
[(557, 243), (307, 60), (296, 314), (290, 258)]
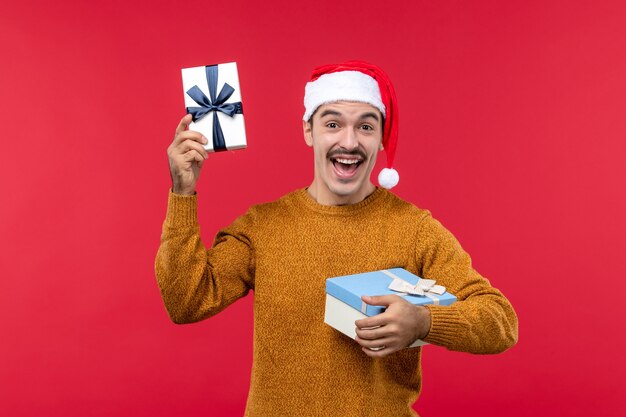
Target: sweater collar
[(305, 198)]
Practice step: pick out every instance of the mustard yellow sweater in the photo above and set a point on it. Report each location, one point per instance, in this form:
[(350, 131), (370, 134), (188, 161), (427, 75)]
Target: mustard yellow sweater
[(284, 251)]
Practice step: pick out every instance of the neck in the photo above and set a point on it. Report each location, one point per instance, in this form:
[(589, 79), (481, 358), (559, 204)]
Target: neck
[(328, 198)]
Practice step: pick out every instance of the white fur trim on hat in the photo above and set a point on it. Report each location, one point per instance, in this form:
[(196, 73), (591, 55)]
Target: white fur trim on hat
[(341, 86)]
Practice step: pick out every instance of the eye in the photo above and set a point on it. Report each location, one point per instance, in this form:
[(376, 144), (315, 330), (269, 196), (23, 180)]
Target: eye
[(367, 127), (332, 125)]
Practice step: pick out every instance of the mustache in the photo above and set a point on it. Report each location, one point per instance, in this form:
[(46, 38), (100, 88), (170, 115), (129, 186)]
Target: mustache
[(344, 152)]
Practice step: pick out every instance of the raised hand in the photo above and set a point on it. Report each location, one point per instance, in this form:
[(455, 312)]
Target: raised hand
[(186, 155)]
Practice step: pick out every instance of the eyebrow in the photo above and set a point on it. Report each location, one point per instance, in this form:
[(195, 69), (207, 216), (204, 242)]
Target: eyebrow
[(329, 112), (370, 114)]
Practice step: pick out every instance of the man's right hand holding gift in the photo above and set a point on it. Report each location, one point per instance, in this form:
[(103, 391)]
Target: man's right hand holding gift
[(186, 155)]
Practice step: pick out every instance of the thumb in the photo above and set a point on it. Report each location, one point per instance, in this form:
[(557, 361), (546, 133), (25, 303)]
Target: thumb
[(378, 300)]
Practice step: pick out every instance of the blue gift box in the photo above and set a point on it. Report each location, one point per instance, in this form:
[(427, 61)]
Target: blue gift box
[(350, 288)]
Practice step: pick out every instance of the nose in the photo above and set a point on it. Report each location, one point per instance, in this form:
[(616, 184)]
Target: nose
[(349, 140)]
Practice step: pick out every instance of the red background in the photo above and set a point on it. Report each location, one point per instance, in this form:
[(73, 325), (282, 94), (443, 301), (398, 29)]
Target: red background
[(512, 133)]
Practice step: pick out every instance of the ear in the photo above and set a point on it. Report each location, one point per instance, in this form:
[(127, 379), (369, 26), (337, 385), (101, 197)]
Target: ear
[(381, 147), (308, 135)]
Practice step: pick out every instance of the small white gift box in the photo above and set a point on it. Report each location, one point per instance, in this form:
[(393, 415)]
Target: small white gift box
[(213, 98)]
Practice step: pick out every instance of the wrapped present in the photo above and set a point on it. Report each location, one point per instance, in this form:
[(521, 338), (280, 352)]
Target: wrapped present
[(343, 296), (213, 98)]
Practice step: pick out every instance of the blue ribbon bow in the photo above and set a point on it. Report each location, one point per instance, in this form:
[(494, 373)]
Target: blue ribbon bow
[(214, 105)]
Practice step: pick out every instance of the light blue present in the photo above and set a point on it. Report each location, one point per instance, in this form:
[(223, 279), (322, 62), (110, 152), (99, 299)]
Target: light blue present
[(350, 288)]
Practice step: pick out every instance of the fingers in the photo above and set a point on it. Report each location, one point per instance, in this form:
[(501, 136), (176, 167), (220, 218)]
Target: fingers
[(186, 155), (179, 147), (376, 344), (188, 145), (187, 136), (395, 307), (379, 353), (194, 155), (376, 333), (184, 123), (371, 322), (377, 300), (379, 348), (395, 329), (182, 134), (380, 300)]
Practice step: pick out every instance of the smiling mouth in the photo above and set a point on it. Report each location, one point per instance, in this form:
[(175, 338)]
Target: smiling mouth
[(346, 167)]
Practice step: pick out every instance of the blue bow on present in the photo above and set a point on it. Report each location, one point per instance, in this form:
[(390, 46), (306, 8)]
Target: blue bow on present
[(214, 105)]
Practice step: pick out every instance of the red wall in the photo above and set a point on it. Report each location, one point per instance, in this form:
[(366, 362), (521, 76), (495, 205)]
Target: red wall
[(513, 128)]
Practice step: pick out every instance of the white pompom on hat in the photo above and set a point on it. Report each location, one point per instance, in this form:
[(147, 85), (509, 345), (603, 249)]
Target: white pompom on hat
[(362, 82)]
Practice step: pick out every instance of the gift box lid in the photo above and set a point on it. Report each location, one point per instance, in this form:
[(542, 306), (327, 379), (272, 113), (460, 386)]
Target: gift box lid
[(350, 288)]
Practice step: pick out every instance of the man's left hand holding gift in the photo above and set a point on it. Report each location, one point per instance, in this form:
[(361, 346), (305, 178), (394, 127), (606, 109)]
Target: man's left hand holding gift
[(400, 325)]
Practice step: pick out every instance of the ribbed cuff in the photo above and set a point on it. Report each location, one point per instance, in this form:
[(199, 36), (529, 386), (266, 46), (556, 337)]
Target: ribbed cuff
[(182, 210), (443, 326)]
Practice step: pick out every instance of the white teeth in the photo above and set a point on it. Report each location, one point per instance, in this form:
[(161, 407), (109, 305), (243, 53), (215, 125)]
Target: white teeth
[(348, 161)]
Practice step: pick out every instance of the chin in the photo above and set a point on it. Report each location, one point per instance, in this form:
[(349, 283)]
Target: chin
[(345, 189)]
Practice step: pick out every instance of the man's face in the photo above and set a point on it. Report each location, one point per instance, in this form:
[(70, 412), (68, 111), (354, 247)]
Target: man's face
[(346, 137)]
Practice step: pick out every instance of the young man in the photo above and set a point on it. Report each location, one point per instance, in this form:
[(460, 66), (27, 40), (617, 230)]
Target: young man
[(341, 224)]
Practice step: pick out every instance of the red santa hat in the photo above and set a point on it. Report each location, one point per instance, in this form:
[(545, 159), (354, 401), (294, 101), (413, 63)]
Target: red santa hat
[(364, 83)]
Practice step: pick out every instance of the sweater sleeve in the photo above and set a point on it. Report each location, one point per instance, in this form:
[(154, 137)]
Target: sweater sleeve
[(482, 320), (197, 283)]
